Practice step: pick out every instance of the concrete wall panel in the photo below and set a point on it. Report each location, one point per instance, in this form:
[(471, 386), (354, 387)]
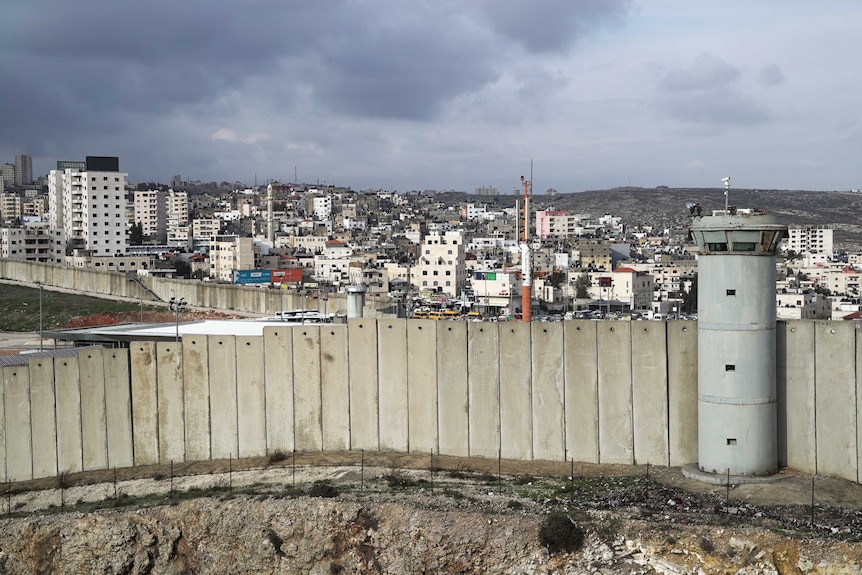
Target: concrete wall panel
[(19, 447), (582, 390), (616, 443), (422, 385), (364, 405), (483, 380), (196, 397), (224, 440), (516, 401), (145, 410), (650, 392), (44, 417), (306, 386), (3, 463), (392, 359), (795, 388), (549, 425), (94, 419), (835, 398), (334, 388), (452, 397), (682, 392), (172, 442), (858, 407), (67, 388), (251, 396), (278, 374), (118, 403)]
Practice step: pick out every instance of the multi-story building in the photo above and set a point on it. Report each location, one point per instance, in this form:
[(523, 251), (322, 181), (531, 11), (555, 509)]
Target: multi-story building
[(593, 254), (441, 266), (203, 230), (23, 169), (7, 172), (89, 206), (558, 224), (10, 207), (627, 286), (32, 243), (322, 207), (230, 253), (177, 208), (151, 211), (815, 239)]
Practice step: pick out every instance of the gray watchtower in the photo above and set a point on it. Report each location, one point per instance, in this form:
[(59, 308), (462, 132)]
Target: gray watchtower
[(737, 409)]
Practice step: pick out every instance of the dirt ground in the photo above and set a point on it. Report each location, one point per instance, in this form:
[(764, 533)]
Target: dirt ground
[(638, 491)]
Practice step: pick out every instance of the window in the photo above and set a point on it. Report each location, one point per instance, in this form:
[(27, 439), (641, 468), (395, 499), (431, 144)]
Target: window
[(730, 292)]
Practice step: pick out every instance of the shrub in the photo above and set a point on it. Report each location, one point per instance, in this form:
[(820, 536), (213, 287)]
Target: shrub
[(560, 533), (276, 456), (323, 489)]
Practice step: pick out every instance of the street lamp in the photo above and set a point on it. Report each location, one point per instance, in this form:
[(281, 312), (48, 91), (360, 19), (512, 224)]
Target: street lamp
[(177, 305)]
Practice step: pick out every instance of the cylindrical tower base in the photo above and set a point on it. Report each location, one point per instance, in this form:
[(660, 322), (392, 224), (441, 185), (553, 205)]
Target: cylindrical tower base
[(355, 301)]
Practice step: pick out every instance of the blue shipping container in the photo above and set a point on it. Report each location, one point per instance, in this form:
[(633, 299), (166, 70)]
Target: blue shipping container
[(251, 276)]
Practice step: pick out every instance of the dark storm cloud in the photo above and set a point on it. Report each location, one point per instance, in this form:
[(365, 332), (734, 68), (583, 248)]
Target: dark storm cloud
[(550, 25), (74, 73)]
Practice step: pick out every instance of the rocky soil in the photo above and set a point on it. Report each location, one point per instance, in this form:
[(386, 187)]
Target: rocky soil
[(281, 518)]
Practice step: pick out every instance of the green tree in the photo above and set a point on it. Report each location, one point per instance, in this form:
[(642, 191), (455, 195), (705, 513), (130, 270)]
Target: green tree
[(582, 286), (183, 268), (136, 234)]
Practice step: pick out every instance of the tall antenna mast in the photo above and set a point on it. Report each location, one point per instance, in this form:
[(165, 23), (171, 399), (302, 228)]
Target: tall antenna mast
[(526, 264)]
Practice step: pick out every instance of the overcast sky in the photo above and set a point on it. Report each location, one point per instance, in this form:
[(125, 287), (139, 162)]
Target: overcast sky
[(446, 94)]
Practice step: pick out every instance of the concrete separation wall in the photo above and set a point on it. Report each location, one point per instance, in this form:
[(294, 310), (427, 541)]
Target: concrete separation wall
[(603, 392), (240, 298)]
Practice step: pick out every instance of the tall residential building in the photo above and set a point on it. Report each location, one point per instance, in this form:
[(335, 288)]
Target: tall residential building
[(89, 206), (178, 208), (442, 263), (151, 211), (7, 172), (815, 239), (23, 169)]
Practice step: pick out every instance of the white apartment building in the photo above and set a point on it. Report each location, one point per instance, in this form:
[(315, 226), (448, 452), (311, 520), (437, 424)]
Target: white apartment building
[(473, 211), (158, 211), (625, 285), (441, 266), (229, 253), (151, 211), (178, 208), (89, 206), (322, 207), (802, 239)]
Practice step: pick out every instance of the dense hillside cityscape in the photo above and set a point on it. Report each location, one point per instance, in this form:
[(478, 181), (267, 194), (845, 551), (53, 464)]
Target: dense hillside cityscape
[(620, 253)]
